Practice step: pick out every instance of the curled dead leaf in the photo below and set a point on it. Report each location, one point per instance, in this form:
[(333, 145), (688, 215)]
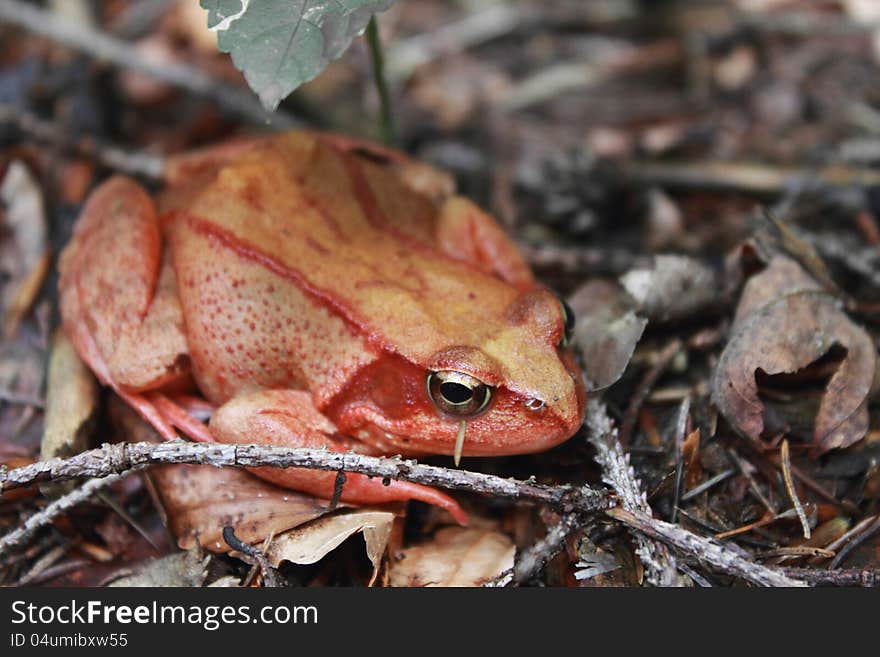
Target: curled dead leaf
[(606, 331), (788, 324), (455, 556), (312, 542)]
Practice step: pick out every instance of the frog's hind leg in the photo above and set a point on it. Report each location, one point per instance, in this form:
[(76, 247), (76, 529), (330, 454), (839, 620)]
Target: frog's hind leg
[(289, 418), (118, 298)]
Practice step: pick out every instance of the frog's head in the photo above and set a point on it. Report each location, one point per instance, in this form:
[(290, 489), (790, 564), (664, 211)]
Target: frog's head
[(512, 387)]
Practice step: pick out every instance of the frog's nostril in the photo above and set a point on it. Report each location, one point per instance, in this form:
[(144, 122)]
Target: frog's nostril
[(534, 404)]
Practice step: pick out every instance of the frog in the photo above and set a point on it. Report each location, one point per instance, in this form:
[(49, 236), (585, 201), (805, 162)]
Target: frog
[(306, 289)]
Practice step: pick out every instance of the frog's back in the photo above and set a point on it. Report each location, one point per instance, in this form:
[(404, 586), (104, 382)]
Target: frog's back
[(306, 262)]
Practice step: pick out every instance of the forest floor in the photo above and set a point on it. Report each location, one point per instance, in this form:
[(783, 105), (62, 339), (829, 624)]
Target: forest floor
[(700, 181)]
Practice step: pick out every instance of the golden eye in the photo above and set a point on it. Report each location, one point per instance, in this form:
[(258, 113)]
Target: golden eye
[(457, 393), (568, 320)]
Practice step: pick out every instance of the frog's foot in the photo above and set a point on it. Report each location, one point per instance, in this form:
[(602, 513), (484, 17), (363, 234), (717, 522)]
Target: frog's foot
[(180, 416), (289, 418)]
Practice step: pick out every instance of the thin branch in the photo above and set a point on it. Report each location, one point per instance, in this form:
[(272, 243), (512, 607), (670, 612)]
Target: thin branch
[(660, 565), (271, 577), (42, 518), (704, 550), (105, 47), (533, 560), (661, 362), (407, 55), (130, 162), (785, 458), (120, 457), (743, 177), (852, 577)]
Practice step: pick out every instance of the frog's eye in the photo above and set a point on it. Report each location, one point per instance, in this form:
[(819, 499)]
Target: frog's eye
[(457, 393), (568, 323)]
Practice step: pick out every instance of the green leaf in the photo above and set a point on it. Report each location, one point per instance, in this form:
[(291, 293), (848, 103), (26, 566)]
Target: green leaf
[(279, 44)]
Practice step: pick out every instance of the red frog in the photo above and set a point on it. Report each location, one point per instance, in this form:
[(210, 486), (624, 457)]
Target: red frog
[(316, 291)]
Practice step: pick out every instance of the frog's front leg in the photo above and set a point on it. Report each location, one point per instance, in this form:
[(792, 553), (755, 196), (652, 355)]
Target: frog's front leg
[(289, 418)]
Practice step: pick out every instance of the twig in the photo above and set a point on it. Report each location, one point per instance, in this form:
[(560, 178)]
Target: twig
[(661, 362), (44, 563), (130, 162), (704, 550), (338, 485), (853, 577), (561, 78), (533, 560), (743, 177), (745, 469), (706, 485), (680, 429), (660, 566), (860, 533), (105, 47), (271, 577), (407, 55), (120, 457), (389, 133), (22, 534), (785, 458)]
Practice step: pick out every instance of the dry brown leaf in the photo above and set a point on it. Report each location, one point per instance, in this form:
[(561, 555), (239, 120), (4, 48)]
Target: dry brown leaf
[(71, 400), (25, 259), (606, 331), (181, 569), (200, 500), (455, 556), (786, 322), (312, 542)]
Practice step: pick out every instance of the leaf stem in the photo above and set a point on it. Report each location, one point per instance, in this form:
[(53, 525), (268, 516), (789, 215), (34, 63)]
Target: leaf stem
[(387, 116)]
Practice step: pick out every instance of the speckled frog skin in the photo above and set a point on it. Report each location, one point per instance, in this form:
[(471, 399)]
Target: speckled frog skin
[(313, 291)]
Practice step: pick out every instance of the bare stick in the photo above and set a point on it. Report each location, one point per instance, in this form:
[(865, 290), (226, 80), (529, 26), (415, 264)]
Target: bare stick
[(704, 550), (789, 487), (852, 577), (664, 357), (130, 162), (660, 566), (533, 560), (407, 55), (119, 53), (744, 177), (120, 457), (271, 577), (42, 518)]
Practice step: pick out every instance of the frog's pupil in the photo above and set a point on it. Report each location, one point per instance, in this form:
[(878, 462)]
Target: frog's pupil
[(456, 393)]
